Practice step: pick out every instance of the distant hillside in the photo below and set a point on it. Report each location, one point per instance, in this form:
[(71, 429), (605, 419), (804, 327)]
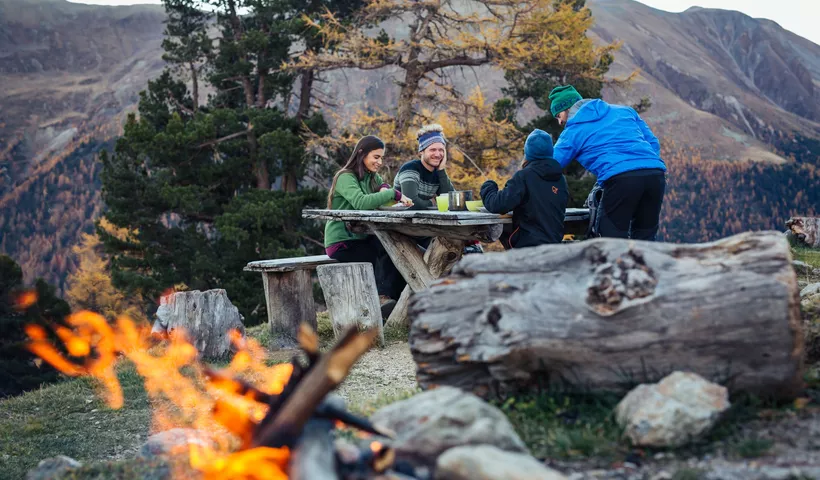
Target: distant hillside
[(723, 86), (69, 73), (719, 80)]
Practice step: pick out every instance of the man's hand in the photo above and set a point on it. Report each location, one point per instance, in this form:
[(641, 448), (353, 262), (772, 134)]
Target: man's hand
[(443, 164)]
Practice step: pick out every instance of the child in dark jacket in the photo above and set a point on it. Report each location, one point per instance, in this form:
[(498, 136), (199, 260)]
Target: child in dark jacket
[(537, 195)]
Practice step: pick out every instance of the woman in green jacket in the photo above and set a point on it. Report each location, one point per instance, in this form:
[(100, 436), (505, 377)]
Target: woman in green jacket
[(357, 186)]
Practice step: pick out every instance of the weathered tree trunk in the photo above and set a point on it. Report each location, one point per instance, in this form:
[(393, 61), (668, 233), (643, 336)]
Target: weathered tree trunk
[(806, 230), (351, 296), (194, 85), (606, 314), (290, 302), (440, 258), (204, 318)]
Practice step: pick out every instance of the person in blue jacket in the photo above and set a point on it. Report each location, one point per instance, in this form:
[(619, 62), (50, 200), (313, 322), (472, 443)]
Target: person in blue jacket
[(537, 195), (617, 146)]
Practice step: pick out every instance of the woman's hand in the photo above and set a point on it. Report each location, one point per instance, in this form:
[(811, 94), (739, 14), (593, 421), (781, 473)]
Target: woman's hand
[(406, 201)]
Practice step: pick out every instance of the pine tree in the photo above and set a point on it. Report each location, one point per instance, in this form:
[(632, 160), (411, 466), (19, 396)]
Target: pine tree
[(193, 183)]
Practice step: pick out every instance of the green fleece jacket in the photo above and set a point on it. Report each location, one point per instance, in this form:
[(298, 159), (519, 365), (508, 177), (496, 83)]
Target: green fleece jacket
[(353, 194)]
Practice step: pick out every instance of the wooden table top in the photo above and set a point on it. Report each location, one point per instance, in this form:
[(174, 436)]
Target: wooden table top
[(427, 217)]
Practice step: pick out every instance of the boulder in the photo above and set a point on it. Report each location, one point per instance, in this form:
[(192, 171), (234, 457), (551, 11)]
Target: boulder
[(436, 420), (53, 467), (677, 410), (486, 462), (175, 441), (810, 290), (204, 318)]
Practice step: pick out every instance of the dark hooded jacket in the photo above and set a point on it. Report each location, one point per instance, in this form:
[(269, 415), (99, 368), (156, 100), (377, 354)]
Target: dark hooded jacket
[(537, 195)]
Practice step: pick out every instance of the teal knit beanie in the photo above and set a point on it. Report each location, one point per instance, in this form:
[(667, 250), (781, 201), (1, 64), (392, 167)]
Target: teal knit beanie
[(563, 97)]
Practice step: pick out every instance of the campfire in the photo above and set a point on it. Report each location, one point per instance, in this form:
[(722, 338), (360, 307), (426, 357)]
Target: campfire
[(282, 421)]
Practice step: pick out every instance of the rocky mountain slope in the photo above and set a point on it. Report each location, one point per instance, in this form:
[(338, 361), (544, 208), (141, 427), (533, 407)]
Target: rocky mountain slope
[(718, 80), (730, 86), (69, 74)]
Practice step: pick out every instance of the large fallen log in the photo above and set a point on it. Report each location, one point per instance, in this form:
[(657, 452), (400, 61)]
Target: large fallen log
[(806, 230), (607, 314)]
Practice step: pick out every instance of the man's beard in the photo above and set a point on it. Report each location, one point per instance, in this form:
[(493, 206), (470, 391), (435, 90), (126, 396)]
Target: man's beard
[(427, 161)]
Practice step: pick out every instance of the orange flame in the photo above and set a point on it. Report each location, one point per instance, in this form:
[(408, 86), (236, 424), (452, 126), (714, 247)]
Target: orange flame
[(176, 382), (25, 300)]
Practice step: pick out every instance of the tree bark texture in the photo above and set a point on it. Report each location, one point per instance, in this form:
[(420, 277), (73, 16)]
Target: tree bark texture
[(606, 314), (289, 298), (351, 297), (204, 318), (806, 230)]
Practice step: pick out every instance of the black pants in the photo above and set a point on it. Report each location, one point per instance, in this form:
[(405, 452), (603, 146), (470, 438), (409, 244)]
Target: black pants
[(631, 205), (389, 281)]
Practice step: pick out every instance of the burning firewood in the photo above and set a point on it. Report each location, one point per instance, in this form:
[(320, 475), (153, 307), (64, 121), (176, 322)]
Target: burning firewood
[(286, 422)]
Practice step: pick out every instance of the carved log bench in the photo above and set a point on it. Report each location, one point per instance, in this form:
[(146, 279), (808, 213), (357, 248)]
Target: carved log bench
[(289, 293)]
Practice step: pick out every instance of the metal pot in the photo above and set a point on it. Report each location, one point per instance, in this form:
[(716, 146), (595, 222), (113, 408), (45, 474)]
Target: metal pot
[(457, 200)]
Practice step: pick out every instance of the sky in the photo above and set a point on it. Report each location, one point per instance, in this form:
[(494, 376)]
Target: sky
[(798, 16)]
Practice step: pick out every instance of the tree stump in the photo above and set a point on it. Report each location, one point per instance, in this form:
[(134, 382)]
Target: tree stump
[(351, 297), (806, 230), (204, 318), (607, 314)]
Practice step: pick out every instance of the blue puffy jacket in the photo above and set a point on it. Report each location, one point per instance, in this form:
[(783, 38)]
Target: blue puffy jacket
[(608, 140)]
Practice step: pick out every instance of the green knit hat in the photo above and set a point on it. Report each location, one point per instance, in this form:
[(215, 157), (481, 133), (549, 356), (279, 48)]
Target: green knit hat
[(563, 97)]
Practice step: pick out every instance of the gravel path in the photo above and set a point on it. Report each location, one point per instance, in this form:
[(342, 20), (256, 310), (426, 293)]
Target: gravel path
[(381, 372)]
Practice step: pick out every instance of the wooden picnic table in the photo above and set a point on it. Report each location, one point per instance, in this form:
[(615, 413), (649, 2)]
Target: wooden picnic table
[(450, 231)]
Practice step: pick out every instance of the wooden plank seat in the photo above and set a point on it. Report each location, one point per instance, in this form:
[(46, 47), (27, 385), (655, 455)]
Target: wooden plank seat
[(289, 294)]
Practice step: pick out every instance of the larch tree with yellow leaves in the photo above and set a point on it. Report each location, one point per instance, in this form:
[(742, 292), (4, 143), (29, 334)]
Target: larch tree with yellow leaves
[(90, 286), (513, 36)]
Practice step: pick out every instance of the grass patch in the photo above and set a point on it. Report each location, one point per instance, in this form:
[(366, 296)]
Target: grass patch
[(806, 254), (567, 426), (751, 447), (70, 419)]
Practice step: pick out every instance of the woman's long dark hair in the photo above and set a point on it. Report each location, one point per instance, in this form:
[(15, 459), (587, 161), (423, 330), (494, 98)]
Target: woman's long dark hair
[(355, 164)]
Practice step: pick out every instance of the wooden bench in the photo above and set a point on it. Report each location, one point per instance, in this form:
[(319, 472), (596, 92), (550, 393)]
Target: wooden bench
[(289, 293)]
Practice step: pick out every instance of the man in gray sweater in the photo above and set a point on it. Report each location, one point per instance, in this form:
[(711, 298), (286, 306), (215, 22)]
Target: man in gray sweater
[(423, 179)]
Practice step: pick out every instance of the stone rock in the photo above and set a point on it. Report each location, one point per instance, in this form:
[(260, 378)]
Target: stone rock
[(436, 420), (174, 442), (680, 408), (810, 290), (486, 462), (53, 467), (204, 318)]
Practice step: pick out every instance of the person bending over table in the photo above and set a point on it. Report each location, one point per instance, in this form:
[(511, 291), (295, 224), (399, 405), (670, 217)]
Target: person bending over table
[(537, 195), (358, 186), (616, 145)]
